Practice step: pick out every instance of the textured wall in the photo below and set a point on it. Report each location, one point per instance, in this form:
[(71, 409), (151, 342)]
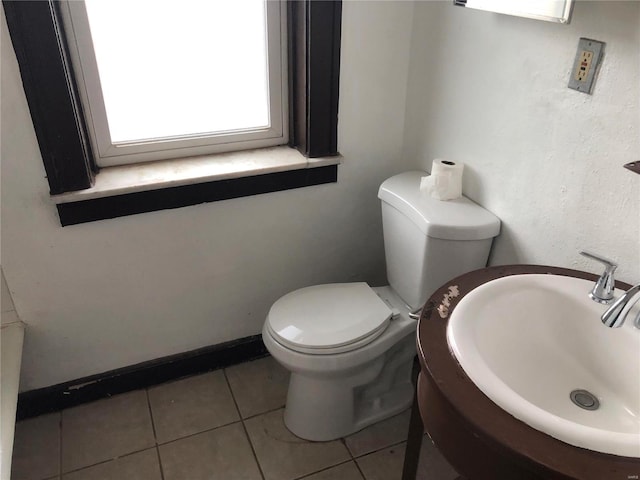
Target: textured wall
[(491, 91)]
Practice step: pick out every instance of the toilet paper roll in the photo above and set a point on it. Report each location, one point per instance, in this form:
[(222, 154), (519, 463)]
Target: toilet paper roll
[(445, 181)]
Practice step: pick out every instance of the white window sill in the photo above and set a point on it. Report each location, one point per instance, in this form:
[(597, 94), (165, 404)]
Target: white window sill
[(112, 181)]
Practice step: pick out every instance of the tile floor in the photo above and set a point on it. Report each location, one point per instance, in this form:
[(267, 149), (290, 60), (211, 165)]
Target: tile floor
[(225, 425)]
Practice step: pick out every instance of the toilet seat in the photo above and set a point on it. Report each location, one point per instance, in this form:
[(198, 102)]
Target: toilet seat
[(327, 319)]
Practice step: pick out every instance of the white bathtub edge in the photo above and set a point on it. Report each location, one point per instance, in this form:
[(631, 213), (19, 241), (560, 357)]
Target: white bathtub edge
[(11, 340)]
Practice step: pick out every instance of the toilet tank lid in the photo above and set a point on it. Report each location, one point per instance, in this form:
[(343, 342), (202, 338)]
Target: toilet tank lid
[(459, 219)]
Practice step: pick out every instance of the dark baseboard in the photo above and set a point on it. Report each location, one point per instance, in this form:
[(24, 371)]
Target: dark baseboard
[(142, 375)]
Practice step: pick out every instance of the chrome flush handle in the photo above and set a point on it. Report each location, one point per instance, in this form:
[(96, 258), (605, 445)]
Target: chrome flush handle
[(602, 291)]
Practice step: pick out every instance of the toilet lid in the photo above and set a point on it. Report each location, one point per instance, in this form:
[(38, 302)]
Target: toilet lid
[(328, 316)]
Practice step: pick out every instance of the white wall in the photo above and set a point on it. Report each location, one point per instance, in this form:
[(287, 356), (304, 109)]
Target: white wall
[(113, 293), (491, 91)]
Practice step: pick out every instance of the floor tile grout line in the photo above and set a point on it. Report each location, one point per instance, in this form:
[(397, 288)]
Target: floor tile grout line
[(253, 451), (107, 461), (360, 469), (160, 462), (155, 435), (353, 457), (263, 413), (306, 475), (344, 442), (380, 449), (208, 430), (153, 423), (244, 427)]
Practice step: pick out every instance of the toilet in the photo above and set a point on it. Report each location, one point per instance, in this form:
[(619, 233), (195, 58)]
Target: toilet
[(350, 347)]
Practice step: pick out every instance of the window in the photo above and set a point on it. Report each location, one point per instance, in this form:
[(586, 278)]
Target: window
[(61, 126), (162, 82)]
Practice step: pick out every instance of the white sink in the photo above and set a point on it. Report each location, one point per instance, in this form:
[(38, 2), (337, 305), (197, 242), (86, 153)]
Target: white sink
[(528, 341)]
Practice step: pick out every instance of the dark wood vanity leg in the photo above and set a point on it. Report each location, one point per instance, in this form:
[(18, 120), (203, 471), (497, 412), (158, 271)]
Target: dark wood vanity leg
[(414, 442)]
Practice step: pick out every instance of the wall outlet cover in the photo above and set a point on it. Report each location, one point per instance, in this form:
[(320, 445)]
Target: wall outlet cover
[(585, 65)]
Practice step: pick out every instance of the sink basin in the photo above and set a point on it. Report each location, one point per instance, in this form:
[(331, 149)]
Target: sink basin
[(529, 341)]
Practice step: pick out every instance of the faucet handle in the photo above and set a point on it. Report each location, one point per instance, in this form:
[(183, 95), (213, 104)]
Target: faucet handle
[(602, 291)]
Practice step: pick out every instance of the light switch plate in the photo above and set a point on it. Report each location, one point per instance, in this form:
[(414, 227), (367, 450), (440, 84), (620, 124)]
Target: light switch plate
[(585, 65)]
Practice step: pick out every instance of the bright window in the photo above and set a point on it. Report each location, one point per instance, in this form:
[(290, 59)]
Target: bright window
[(162, 79)]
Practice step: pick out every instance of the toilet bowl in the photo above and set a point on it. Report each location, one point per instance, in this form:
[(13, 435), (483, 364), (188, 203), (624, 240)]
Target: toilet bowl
[(350, 347), (332, 391)]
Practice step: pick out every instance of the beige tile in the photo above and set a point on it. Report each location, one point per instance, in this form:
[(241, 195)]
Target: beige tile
[(283, 456), (220, 454), (105, 429), (138, 466), (258, 386), (36, 448), (380, 435), (192, 405), (387, 464), (346, 471)]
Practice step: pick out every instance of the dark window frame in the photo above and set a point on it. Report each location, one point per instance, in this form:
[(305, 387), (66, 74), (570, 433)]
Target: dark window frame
[(314, 71)]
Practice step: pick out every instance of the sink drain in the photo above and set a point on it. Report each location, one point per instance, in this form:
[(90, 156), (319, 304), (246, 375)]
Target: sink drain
[(584, 399)]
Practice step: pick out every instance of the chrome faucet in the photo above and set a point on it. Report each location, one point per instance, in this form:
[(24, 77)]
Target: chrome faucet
[(602, 291), (617, 313)]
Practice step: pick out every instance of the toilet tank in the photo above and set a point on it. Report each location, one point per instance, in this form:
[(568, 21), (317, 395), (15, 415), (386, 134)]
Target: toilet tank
[(428, 241)]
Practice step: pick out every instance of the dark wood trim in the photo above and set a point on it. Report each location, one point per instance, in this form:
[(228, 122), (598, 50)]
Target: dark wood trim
[(175, 197), (314, 75), (51, 94), (142, 375)]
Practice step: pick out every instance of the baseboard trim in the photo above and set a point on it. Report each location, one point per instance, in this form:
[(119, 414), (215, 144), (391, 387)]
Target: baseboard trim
[(142, 375)]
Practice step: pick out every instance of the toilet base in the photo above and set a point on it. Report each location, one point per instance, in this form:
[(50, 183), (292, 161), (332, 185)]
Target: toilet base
[(322, 409)]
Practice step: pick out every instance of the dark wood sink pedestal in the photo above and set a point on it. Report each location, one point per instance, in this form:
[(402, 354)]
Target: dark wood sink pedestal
[(479, 439)]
